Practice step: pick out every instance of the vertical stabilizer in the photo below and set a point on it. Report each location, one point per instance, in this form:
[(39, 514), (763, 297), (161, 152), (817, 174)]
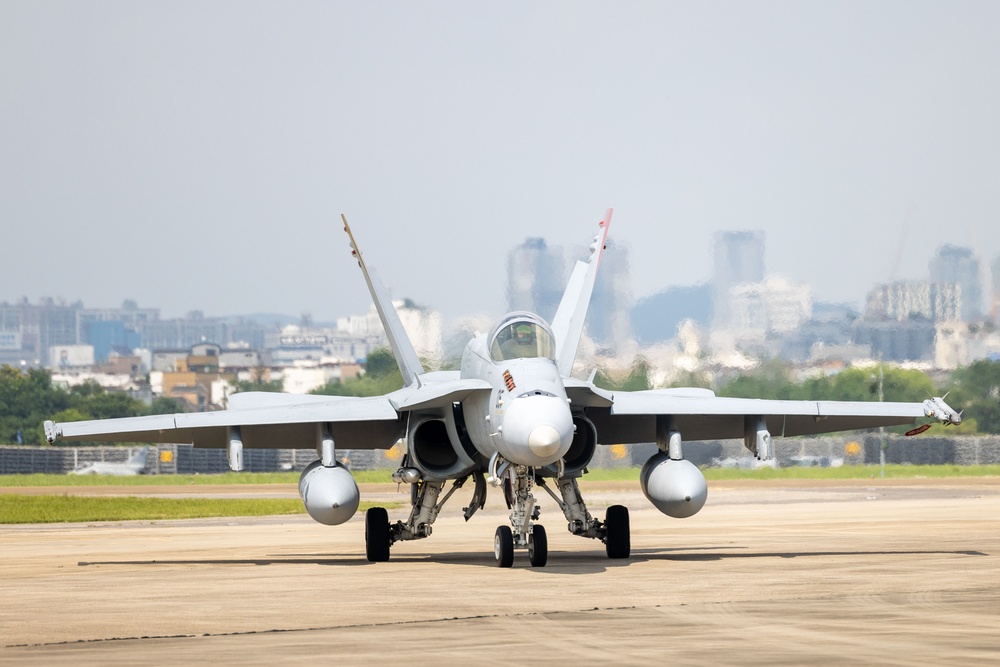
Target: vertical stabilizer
[(567, 325), (402, 349)]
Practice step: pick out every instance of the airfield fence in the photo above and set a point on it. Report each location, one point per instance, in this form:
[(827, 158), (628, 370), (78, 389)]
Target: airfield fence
[(166, 459)]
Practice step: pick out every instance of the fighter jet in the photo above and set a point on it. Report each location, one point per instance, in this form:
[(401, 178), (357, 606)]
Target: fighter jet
[(512, 418), (136, 465)]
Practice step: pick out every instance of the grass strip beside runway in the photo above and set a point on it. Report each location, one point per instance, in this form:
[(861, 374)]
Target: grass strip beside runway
[(384, 476), (71, 509)]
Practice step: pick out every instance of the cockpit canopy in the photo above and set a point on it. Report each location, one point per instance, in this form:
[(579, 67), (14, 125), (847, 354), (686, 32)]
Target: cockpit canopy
[(522, 336)]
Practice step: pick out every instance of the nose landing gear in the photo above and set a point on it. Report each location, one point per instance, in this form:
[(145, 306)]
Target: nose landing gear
[(537, 543), (523, 533)]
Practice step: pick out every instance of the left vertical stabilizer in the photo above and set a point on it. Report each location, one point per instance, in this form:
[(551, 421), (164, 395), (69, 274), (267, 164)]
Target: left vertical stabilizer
[(402, 349)]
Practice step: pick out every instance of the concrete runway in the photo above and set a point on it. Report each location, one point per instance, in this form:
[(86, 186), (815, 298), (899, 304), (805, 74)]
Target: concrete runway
[(771, 573)]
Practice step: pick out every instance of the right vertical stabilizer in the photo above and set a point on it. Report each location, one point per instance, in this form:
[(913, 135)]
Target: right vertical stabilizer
[(402, 349), (567, 325)]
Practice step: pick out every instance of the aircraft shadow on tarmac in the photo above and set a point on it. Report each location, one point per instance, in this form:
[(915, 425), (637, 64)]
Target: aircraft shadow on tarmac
[(567, 562)]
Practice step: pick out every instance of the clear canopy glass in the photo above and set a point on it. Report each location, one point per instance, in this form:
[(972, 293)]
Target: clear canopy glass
[(522, 336)]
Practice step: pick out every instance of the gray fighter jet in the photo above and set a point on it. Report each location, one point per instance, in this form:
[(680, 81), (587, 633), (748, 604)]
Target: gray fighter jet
[(512, 418)]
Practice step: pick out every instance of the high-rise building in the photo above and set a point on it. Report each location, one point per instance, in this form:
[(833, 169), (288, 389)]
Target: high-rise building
[(774, 305), (31, 329), (914, 300), (182, 333), (536, 276), (739, 258), (110, 328), (952, 265), (995, 310), (608, 317)]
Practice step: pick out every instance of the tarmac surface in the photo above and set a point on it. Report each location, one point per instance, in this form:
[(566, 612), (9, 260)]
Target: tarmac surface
[(778, 573)]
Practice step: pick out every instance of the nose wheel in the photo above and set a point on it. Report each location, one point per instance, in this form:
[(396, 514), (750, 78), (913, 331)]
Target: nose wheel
[(538, 546), (537, 543), (522, 532), (503, 546)]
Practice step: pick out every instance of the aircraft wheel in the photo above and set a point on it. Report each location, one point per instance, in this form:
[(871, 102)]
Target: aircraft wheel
[(617, 540), (503, 546), (377, 535), (538, 546)]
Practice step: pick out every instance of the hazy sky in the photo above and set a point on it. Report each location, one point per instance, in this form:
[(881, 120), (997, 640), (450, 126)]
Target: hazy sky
[(194, 155)]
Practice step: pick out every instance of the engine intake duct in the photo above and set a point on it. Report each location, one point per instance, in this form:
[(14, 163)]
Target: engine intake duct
[(436, 449)]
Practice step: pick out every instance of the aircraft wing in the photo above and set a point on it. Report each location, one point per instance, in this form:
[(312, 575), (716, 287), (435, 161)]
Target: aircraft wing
[(275, 420), (356, 423), (700, 415)]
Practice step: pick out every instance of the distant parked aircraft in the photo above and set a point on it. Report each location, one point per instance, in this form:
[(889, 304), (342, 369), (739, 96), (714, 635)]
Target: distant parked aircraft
[(136, 465)]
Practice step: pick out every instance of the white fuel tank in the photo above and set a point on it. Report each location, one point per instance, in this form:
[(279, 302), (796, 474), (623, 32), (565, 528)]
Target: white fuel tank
[(330, 494), (675, 487)]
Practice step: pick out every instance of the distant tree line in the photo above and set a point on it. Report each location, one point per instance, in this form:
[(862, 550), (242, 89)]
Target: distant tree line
[(28, 399)]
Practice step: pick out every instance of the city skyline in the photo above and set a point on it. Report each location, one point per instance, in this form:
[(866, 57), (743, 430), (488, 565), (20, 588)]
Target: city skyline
[(562, 262), (763, 315)]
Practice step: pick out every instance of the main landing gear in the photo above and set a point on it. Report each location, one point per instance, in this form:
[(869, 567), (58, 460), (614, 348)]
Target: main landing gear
[(522, 533), (380, 535)]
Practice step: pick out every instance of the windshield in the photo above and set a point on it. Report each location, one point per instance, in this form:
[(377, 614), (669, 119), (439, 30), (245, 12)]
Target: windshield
[(522, 337)]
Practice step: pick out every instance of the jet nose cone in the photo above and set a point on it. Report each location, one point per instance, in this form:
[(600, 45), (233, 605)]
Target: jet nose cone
[(536, 430), (544, 440)]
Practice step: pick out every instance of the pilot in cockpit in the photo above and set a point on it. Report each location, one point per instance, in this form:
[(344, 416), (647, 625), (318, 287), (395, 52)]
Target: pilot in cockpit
[(524, 334)]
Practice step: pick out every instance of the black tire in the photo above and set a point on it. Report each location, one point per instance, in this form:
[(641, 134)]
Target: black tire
[(538, 546), (617, 540), (503, 546), (377, 535)]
